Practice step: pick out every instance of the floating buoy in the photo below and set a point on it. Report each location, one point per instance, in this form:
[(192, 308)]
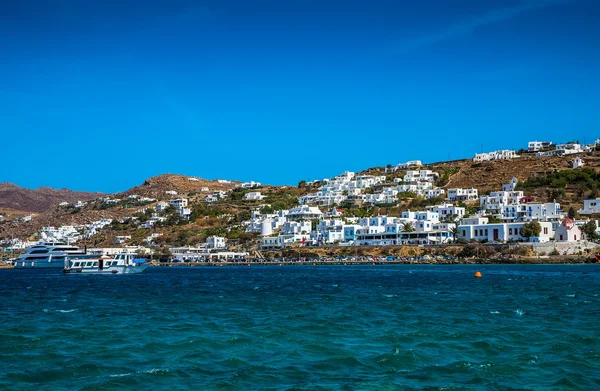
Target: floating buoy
[(248, 264), (478, 274)]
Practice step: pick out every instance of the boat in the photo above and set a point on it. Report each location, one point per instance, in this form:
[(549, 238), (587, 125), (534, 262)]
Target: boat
[(120, 264), (49, 255)]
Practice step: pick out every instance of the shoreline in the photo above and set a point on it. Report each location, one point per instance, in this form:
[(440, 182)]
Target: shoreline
[(521, 261)]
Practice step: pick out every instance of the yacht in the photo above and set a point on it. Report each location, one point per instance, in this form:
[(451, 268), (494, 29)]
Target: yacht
[(49, 255), (120, 264)]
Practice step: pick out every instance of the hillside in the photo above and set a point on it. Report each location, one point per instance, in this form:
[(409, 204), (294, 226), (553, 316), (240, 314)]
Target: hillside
[(223, 217), (53, 215), (38, 200), (156, 187)]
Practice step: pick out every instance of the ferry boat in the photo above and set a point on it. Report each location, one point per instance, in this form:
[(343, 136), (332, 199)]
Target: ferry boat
[(49, 255), (120, 264)]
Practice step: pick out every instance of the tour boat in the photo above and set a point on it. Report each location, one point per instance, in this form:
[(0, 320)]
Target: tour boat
[(49, 255), (120, 264)]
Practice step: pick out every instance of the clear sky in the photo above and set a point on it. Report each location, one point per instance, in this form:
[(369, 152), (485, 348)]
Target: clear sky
[(100, 95)]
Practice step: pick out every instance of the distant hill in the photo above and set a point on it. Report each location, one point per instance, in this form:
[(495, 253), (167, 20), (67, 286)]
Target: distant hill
[(39, 200), (44, 202)]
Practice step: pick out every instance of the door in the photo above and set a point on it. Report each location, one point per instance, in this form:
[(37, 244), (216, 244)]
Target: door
[(495, 234)]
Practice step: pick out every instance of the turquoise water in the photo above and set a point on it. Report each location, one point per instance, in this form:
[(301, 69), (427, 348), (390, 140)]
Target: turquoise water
[(397, 327)]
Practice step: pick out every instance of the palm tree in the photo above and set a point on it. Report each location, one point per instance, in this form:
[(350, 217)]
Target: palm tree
[(455, 232), (408, 227)]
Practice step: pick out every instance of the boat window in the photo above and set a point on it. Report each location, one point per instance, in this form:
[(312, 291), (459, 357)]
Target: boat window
[(88, 264), (44, 251), (95, 264), (76, 264)]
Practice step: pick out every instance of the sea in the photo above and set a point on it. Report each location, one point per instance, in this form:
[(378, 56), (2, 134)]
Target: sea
[(367, 327)]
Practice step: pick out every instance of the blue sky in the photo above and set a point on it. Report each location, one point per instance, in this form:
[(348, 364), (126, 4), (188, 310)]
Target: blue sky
[(100, 95)]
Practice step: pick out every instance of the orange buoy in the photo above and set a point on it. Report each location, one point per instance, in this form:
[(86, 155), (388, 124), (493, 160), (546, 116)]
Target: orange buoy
[(478, 274)]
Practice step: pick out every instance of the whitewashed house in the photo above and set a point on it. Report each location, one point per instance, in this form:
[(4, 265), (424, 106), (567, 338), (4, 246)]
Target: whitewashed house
[(304, 212), (532, 211), (170, 192), (249, 185), (122, 239), (590, 206), (510, 186), (161, 206), (296, 227), (501, 232), (567, 231), (445, 210), (434, 193), (495, 155), (462, 194), (535, 146), (215, 242), (578, 162), (254, 196), (179, 203)]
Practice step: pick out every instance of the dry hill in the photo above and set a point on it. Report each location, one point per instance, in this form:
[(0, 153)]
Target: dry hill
[(38, 200)]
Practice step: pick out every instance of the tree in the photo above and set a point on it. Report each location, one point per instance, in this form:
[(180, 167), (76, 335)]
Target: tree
[(302, 184), (531, 229), (455, 231), (408, 227), (571, 213), (589, 230), (267, 209)]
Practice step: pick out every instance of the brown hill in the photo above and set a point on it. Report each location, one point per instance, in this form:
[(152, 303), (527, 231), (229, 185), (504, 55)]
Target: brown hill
[(156, 187), (489, 176), (39, 200), (53, 215)]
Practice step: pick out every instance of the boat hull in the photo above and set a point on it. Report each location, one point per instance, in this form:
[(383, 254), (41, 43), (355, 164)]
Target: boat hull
[(129, 269), (38, 265)]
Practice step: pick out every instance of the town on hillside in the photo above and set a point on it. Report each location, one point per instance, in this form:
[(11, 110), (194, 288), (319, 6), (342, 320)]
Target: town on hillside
[(408, 204)]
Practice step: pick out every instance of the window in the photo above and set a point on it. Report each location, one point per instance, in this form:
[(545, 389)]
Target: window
[(510, 231), (545, 230)]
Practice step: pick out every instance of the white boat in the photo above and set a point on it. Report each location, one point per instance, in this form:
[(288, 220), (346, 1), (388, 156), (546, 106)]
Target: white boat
[(120, 264), (49, 255)]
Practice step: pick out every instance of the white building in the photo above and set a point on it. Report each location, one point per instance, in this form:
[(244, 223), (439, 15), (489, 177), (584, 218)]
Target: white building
[(249, 185), (567, 231), (532, 211), (501, 232), (495, 155), (535, 146), (434, 193), (445, 210), (404, 166), (304, 212), (162, 205), (179, 203), (296, 227), (590, 206), (254, 196), (170, 192), (213, 242), (578, 162), (122, 239), (462, 194), (510, 186)]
